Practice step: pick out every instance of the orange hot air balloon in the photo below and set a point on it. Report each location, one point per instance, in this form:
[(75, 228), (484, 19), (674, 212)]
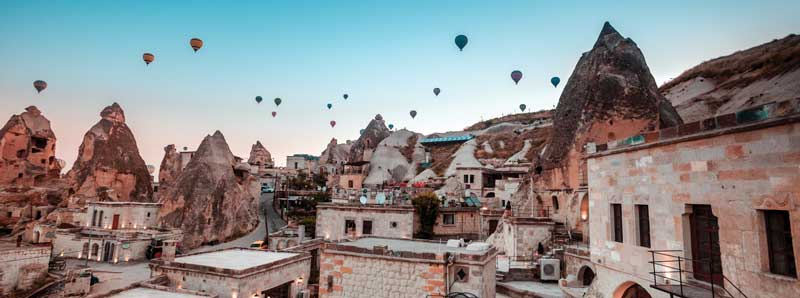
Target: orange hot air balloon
[(147, 57), (196, 44)]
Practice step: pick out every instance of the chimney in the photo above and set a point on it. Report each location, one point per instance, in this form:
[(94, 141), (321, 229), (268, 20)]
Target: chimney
[(301, 233), (168, 251)]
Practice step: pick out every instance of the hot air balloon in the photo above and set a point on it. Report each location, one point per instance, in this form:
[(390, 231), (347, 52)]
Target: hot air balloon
[(461, 42), (259, 99), (147, 57), (330, 105), (436, 91), (516, 76), (278, 101), (361, 131), (522, 107), (39, 85), (333, 123), (555, 81), (345, 96), (391, 126), (196, 44), (274, 114), (413, 114)]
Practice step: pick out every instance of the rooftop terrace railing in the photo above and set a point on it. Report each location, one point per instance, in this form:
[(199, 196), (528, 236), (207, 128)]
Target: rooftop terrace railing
[(670, 262)]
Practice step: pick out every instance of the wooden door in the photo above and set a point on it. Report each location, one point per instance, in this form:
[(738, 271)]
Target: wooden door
[(115, 222), (705, 245)]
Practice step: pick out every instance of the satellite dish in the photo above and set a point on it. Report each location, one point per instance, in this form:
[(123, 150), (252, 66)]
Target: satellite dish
[(363, 200), (380, 198), (185, 148)]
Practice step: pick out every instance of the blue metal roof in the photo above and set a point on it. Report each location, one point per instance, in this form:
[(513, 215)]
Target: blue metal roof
[(463, 138)]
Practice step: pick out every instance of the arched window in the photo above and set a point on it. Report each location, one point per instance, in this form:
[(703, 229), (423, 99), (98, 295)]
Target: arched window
[(95, 249), (555, 203), (586, 275), (490, 195), (85, 250)]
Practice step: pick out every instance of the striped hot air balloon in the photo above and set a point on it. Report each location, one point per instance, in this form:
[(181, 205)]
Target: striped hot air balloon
[(196, 44)]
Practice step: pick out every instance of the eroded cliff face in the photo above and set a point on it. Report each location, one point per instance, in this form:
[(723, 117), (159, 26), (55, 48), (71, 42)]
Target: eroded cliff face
[(611, 95), (171, 167), (766, 73), (213, 199), (109, 166), (28, 150), (260, 156), (375, 132)]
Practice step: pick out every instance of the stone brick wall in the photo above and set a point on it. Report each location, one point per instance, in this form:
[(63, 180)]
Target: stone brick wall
[(22, 267), (131, 215), (358, 276), (467, 223), (739, 172), (331, 221)]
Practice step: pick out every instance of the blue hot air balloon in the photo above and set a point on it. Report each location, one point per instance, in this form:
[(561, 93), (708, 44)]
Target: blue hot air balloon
[(461, 42), (278, 101), (330, 105), (436, 91), (259, 99), (345, 96), (391, 126), (522, 107), (516, 76), (555, 81)]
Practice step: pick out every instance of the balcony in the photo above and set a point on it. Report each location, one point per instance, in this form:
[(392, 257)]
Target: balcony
[(669, 264)]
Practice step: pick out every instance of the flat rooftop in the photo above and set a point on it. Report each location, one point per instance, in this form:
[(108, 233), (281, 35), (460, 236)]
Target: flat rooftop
[(152, 293), (235, 259), (410, 246)]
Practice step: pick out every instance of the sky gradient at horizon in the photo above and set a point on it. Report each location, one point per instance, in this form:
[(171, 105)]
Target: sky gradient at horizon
[(388, 56)]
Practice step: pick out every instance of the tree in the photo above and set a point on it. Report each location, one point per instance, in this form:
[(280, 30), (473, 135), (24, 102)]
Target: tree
[(427, 207)]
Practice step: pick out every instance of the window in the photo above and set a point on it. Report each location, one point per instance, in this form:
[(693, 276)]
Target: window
[(366, 227), (466, 178), (616, 215), (330, 283), (555, 202), (350, 183), (94, 218), (295, 165), (349, 226), (148, 214), (449, 219), (100, 219), (643, 223), (393, 225), (779, 243), (469, 178), (462, 274)]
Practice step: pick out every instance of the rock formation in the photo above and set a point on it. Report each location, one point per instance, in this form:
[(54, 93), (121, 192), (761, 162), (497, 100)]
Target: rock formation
[(395, 159), (170, 169), (109, 166), (213, 199), (610, 95), (759, 75), (259, 156), (335, 154), (28, 149), (375, 132)]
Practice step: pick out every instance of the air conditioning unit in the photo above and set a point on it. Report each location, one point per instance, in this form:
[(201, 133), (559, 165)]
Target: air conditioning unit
[(550, 269)]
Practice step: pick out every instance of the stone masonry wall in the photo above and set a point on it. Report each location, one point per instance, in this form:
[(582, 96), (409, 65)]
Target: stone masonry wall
[(357, 276), (331, 221), (739, 173), (22, 267)]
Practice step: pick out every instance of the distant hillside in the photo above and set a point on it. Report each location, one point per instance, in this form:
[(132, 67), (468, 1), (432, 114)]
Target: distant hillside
[(524, 118), (759, 75)]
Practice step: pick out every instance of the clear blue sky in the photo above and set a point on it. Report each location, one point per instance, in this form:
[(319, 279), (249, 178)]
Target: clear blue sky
[(388, 55)]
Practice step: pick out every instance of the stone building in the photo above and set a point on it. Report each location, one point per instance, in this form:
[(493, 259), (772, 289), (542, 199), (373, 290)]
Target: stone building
[(113, 232), (382, 267), (716, 198), (236, 272), (22, 266), (303, 162), (342, 221), (458, 222)]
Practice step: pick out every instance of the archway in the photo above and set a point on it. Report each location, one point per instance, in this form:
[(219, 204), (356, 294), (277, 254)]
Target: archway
[(631, 289), (585, 207), (84, 251), (490, 195), (586, 275), (95, 250)]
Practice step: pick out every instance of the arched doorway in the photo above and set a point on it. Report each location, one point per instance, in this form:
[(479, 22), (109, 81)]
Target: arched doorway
[(586, 275), (108, 252), (95, 250), (84, 251), (631, 290)]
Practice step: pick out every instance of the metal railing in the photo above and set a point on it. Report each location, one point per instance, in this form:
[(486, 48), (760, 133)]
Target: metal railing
[(666, 263), (534, 212)]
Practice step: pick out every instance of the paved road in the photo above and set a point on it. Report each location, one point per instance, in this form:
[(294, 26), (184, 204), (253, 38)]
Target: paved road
[(275, 223)]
